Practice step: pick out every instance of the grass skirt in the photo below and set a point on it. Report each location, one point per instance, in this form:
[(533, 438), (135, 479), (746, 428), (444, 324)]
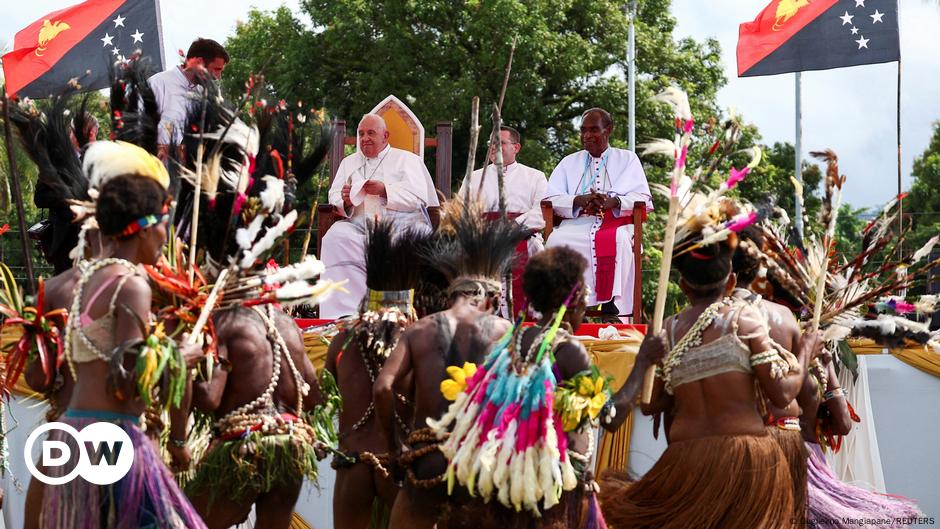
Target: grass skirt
[(833, 503), (739, 481), (794, 450), (147, 497), (255, 464)]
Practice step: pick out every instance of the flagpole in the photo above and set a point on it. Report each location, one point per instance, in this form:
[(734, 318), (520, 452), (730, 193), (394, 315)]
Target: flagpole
[(798, 149), (631, 75), (17, 193), (900, 202)]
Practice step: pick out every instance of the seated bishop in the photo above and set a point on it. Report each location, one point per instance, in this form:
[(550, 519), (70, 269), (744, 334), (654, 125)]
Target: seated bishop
[(377, 182), (524, 188), (594, 190)]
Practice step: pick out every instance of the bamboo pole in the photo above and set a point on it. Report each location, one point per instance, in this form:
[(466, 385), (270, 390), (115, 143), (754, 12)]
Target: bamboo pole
[(660, 307)]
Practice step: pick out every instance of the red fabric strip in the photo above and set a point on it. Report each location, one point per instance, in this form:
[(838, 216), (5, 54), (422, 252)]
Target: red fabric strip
[(605, 254)]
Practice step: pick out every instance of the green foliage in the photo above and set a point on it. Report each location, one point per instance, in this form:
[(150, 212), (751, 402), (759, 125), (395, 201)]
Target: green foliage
[(924, 198), (436, 55)]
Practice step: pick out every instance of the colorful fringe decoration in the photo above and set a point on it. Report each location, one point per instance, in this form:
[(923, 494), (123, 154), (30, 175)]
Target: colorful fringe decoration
[(160, 366), (40, 334), (506, 440), (833, 503), (146, 497)]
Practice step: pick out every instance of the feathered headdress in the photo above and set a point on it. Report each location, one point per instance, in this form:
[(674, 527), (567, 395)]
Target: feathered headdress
[(474, 253), (135, 115), (45, 136)]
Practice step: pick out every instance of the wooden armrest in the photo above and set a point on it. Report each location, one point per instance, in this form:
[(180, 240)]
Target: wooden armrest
[(326, 216), (434, 213)]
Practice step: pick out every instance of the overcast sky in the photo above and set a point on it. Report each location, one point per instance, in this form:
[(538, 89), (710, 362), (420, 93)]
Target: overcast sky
[(850, 110)]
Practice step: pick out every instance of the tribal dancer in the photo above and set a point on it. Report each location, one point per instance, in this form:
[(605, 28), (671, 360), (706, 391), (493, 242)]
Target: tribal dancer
[(364, 490), (826, 417), (524, 423), (263, 440), (473, 254), (722, 468), (108, 350), (49, 137), (783, 424)]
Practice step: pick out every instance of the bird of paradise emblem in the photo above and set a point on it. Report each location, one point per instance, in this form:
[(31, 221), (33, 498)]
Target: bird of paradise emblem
[(48, 32), (786, 10)]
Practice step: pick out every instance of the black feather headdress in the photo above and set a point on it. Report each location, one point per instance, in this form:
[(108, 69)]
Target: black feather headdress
[(474, 253)]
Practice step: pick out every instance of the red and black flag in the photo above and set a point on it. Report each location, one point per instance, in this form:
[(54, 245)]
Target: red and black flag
[(82, 42), (800, 35)]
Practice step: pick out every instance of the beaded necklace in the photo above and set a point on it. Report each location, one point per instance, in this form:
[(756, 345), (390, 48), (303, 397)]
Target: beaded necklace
[(265, 401), (692, 339), (74, 325)]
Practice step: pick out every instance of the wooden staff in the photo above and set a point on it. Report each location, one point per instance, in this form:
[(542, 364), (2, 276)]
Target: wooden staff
[(200, 154), (208, 306), (474, 138), (660, 308), (494, 136)]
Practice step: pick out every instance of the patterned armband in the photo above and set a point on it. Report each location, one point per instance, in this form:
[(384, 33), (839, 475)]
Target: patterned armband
[(833, 394), (778, 366)]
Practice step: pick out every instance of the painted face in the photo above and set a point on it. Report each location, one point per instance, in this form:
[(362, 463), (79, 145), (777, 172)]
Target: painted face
[(595, 137), (373, 136)]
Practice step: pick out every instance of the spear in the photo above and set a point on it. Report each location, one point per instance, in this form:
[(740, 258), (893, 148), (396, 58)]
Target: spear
[(683, 137), (17, 194)]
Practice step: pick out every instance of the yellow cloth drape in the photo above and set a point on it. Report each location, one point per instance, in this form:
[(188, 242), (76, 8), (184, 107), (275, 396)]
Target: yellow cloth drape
[(615, 358), (297, 522), (316, 346), (915, 356)]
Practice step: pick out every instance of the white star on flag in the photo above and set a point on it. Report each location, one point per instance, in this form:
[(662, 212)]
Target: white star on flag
[(138, 37), (847, 18), (119, 21), (854, 30), (859, 3), (862, 42), (108, 40), (115, 51), (876, 17)]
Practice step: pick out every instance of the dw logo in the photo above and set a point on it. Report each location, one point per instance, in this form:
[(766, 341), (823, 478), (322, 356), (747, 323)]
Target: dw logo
[(101, 453)]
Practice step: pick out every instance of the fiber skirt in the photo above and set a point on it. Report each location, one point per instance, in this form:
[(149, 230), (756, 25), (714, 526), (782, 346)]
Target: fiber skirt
[(833, 503), (728, 481), (147, 497), (794, 450)]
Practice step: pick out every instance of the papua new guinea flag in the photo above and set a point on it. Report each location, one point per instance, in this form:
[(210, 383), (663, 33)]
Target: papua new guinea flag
[(80, 44), (799, 35)]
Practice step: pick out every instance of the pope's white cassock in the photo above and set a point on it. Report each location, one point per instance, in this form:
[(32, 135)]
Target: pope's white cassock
[(410, 190), (617, 172), (524, 188)]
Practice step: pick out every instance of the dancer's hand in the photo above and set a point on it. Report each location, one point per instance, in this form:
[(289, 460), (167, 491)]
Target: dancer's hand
[(653, 349), (192, 354), (181, 457), (813, 344)]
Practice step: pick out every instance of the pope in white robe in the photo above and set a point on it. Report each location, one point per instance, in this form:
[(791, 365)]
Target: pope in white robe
[(378, 181), (594, 190)]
